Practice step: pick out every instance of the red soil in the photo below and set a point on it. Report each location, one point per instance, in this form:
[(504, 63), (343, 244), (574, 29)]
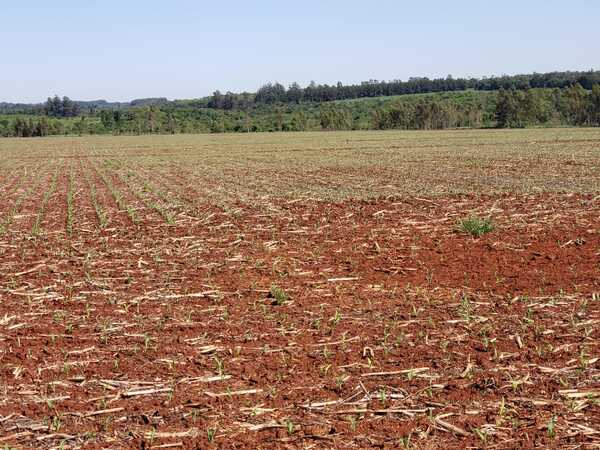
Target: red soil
[(399, 329)]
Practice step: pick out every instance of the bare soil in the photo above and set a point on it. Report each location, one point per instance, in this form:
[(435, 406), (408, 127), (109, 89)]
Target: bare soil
[(183, 320)]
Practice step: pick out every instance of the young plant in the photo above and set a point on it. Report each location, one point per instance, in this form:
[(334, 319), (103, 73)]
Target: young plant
[(117, 196), (70, 204), (476, 226), (278, 295), (210, 434), (37, 225), (219, 366), (337, 317), (405, 441), (481, 434), (465, 309), (290, 426), (551, 427), (100, 213)]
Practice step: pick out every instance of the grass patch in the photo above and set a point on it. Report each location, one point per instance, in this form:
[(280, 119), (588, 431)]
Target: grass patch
[(476, 226)]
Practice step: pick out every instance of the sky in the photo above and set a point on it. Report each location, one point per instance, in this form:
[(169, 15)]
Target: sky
[(127, 49)]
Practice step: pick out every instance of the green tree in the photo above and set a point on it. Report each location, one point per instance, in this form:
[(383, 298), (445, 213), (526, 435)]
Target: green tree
[(218, 123), (80, 126), (300, 121), (507, 109), (279, 118), (247, 122), (171, 123), (107, 119), (576, 104), (43, 127), (294, 93), (594, 105)]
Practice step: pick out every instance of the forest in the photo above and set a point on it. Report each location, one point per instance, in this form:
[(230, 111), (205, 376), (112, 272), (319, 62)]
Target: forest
[(553, 99)]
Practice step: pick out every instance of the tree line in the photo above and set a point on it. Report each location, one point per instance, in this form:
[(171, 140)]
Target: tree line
[(506, 108), (276, 93), (272, 93), (33, 126), (573, 105)]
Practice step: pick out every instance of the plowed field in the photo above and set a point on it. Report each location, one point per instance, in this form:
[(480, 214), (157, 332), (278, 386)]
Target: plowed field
[(309, 290)]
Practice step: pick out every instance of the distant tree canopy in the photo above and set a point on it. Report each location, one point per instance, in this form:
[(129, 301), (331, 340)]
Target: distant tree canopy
[(555, 99), (57, 107), (272, 93), (573, 106), (32, 128), (506, 108)]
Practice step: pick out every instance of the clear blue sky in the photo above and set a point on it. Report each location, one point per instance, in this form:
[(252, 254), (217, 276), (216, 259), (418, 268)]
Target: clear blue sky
[(126, 49)]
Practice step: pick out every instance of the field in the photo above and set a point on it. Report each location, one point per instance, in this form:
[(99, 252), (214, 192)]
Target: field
[(309, 290)]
